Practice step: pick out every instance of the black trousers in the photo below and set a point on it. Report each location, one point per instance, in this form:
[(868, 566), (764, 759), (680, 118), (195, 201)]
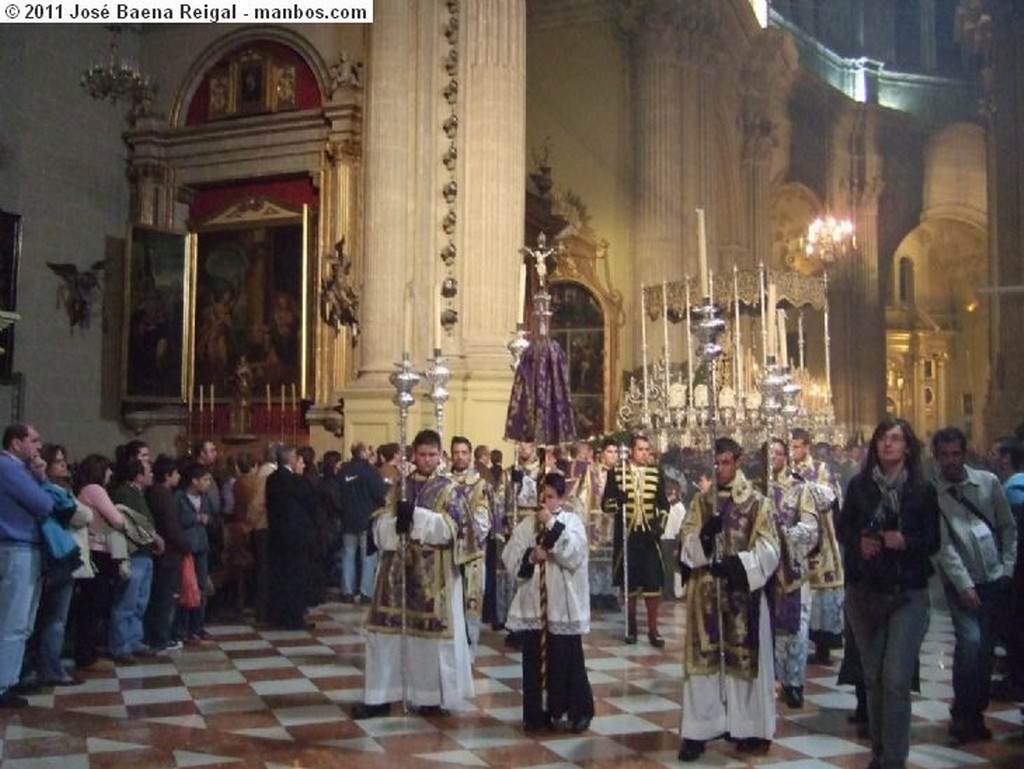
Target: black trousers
[(568, 687)]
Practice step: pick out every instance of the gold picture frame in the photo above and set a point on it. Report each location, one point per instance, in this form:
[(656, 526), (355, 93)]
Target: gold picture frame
[(250, 294)]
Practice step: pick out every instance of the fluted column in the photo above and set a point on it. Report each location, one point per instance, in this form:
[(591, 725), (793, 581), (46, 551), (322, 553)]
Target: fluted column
[(659, 151), (856, 182), (390, 165), (493, 162)]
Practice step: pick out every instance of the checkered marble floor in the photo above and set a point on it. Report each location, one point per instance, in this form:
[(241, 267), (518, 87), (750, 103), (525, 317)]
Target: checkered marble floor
[(266, 698)]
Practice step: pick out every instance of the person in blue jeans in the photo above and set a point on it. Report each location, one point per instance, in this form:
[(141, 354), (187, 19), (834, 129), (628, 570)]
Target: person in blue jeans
[(361, 491), (23, 504), (976, 560), (889, 531)]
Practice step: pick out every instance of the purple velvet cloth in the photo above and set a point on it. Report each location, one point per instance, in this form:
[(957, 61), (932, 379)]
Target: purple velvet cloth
[(539, 410)]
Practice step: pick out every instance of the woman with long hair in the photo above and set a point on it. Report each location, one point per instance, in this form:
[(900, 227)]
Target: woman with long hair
[(889, 529)]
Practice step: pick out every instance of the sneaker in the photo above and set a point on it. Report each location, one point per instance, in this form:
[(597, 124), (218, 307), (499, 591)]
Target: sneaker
[(173, 645)]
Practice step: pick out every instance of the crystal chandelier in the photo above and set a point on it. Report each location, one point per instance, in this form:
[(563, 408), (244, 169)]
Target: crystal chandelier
[(829, 237), (117, 80)]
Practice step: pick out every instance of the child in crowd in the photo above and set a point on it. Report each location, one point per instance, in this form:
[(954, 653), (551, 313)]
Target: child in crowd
[(551, 610)]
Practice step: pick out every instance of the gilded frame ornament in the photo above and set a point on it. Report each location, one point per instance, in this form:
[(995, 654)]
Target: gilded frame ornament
[(250, 294), (154, 341)]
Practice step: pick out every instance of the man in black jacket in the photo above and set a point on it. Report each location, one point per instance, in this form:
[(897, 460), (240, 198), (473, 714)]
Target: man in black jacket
[(363, 491)]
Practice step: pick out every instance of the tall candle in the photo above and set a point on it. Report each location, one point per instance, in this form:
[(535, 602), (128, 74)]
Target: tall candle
[(800, 337), (295, 398), (407, 333), (200, 399), (521, 294), (702, 254), (689, 348), (773, 331), (283, 404), (437, 320), (643, 348), (268, 400), (737, 353), (664, 329), (212, 396), (783, 351), (764, 316)]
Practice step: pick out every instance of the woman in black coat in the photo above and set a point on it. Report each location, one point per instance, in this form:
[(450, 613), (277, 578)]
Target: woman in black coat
[(889, 530)]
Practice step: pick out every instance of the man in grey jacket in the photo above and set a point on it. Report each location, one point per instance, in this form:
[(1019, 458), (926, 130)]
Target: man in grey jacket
[(976, 560)]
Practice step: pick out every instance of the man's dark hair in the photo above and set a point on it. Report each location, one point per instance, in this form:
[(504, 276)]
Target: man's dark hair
[(800, 434), (480, 453), (193, 471), (427, 438), (133, 468), (387, 451), (357, 449), (728, 446), (163, 466), (951, 434), (554, 481), (634, 439), (1013, 450), (14, 432), (609, 442), (459, 440)]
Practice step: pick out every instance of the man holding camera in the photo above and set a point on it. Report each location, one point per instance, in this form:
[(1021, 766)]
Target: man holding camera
[(416, 644), (976, 560)]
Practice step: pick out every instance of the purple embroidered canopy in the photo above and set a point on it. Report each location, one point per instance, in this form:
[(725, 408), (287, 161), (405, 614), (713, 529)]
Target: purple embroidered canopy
[(539, 410)]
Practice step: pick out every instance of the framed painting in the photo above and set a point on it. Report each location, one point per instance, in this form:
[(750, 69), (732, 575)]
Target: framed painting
[(578, 325), (10, 262), (250, 293), (154, 343)]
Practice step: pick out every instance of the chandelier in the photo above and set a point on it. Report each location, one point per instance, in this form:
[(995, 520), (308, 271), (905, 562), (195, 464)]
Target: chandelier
[(829, 237), (117, 80)]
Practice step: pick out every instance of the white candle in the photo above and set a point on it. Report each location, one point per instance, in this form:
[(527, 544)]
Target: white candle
[(689, 349), (521, 294), (283, 404), (268, 400), (643, 348), (200, 399), (773, 331), (702, 254), (664, 328), (737, 353), (764, 316), (800, 337), (212, 396), (783, 351), (295, 399), (437, 320), (407, 335)]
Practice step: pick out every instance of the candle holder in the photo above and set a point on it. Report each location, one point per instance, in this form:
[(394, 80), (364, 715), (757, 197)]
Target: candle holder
[(404, 380), (518, 345), (707, 329), (438, 375)]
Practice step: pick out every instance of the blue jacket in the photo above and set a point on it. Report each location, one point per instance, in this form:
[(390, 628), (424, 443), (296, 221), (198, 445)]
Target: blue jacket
[(23, 503)]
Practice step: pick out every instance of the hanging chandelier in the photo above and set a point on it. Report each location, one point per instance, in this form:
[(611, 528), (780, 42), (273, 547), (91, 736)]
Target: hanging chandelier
[(117, 80), (829, 237)]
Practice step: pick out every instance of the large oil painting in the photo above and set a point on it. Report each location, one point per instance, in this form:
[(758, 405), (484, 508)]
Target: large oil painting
[(248, 311), (577, 325), (154, 334)]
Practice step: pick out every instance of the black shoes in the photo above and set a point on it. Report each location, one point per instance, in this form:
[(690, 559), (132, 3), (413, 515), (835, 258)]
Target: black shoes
[(969, 730), (431, 710), (691, 750), (793, 696), (11, 700), (363, 711), (754, 745), (630, 639), (580, 725), (656, 640)]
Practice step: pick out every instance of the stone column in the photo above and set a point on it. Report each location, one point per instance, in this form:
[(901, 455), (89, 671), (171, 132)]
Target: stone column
[(1002, 48), (859, 337)]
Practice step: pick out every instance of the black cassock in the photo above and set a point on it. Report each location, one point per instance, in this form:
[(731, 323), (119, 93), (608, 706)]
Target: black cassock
[(291, 538)]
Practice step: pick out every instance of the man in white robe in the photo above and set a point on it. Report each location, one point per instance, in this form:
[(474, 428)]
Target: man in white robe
[(431, 533), (730, 544)]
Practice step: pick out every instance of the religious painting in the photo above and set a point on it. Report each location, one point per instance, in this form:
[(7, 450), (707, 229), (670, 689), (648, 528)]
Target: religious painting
[(577, 324), (249, 304), (156, 275), (251, 78), (10, 261)]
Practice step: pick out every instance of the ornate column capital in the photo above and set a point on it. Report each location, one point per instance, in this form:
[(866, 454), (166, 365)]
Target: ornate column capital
[(766, 79), (686, 30)]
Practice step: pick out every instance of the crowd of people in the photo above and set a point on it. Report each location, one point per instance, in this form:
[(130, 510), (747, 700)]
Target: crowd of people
[(799, 544)]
